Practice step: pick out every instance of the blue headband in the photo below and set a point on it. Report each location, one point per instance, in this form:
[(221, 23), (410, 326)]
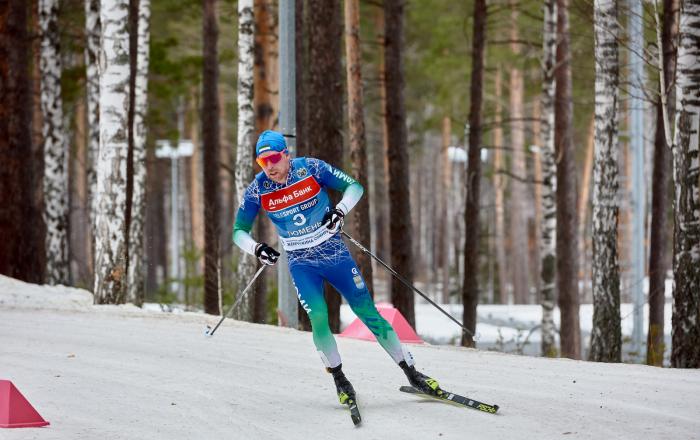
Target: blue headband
[(270, 141)]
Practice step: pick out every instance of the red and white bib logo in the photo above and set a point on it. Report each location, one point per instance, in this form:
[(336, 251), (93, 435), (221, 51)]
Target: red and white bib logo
[(284, 198)]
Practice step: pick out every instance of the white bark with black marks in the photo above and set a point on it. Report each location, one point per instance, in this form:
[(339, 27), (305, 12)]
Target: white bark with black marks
[(246, 137), (606, 337), (136, 284), (686, 177), (55, 147), (110, 233), (92, 84), (549, 182)]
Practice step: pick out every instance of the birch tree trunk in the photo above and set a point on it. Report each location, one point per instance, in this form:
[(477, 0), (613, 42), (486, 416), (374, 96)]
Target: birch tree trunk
[(210, 143), (658, 234), (470, 287), (137, 284), (246, 136), (567, 237), (360, 216), (547, 239), (686, 174), (606, 335), (55, 148), (110, 234), (518, 191), (93, 30)]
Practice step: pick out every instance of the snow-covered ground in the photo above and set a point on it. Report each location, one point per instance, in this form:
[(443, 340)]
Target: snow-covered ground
[(119, 372)]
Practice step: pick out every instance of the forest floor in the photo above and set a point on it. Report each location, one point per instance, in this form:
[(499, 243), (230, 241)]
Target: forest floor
[(119, 372)]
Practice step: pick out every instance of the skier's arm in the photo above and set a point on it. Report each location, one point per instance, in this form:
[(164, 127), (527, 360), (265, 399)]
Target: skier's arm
[(340, 181), (250, 205)]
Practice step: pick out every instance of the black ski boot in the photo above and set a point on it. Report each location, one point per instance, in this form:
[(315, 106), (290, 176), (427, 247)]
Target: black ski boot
[(420, 381), (346, 393)]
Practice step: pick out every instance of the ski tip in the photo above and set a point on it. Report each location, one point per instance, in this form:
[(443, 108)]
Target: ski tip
[(356, 420)]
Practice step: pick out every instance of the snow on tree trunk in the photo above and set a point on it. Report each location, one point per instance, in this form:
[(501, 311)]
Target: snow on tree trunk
[(136, 284), (110, 195), (246, 136), (55, 147), (92, 80), (686, 174), (549, 182), (606, 337)]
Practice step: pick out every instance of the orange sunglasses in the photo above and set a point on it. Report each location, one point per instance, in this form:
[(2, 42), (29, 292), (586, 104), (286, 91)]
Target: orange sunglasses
[(270, 159)]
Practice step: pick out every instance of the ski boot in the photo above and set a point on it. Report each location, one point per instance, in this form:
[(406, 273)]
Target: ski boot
[(346, 393), (420, 381)]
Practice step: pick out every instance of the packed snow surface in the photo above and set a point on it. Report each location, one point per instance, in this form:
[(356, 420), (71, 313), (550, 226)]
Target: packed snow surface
[(119, 372)]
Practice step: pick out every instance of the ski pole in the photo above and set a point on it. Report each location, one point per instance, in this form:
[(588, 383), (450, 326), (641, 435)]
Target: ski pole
[(209, 331), (406, 282)]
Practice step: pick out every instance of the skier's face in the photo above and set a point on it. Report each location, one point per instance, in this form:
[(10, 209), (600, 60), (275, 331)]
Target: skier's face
[(275, 164)]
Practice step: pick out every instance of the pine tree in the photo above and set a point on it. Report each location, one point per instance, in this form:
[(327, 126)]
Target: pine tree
[(210, 143), (360, 217), (397, 153), (567, 239), (470, 289)]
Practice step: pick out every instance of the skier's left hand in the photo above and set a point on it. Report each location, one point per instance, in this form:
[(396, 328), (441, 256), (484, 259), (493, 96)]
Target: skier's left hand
[(333, 220)]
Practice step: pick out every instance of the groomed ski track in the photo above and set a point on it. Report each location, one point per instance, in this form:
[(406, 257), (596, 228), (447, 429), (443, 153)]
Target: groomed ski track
[(109, 372)]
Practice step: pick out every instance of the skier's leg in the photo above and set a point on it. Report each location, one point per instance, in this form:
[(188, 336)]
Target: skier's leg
[(309, 288), (346, 278)]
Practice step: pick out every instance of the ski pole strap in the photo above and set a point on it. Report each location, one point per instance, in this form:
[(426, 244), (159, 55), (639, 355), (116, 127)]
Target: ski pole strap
[(406, 282), (239, 299)]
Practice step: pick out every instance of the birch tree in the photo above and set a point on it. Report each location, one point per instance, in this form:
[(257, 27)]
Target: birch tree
[(92, 85), (136, 284), (606, 338), (567, 238), (549, 181), (686, 175), (110, 202), (246, 134), (55, 147), (659, 236)]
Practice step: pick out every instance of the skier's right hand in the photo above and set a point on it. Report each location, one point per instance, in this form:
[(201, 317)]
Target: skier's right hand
[(266, 254)]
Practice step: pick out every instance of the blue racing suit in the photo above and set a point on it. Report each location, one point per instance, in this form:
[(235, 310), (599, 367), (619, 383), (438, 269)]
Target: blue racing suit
[(296, 208)]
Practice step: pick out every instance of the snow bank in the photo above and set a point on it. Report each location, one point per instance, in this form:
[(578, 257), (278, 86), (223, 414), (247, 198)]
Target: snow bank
[(104, 372)]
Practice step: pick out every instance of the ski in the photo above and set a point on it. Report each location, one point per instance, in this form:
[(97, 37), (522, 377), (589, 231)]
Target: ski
[(354, 411), (456, 399)]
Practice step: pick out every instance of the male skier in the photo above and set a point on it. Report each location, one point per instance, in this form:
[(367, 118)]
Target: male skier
[(293, 194)]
